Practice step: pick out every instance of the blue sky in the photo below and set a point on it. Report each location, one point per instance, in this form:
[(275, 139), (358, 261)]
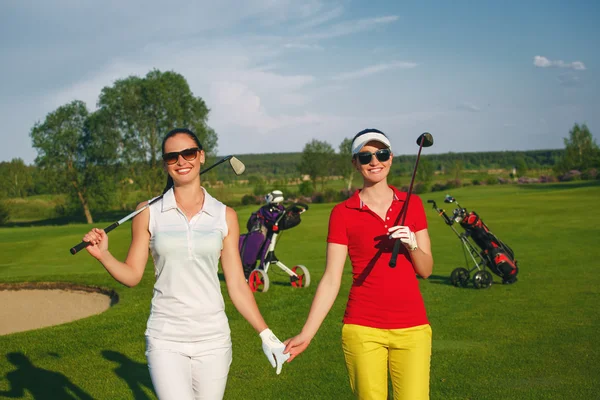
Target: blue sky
[(480, 76)]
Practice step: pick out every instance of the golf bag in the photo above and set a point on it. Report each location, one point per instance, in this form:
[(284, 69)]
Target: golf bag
[(257, 246), (493, 253)]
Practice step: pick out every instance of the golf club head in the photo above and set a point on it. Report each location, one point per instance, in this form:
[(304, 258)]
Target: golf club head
[(237, 166), (426, 138), (449, 199)]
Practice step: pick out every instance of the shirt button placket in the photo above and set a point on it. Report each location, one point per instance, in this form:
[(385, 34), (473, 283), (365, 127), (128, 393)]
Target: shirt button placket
[(189, 239)]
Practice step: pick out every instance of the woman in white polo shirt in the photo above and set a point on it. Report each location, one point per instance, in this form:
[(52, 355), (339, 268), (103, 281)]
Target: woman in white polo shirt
[(188, 343)]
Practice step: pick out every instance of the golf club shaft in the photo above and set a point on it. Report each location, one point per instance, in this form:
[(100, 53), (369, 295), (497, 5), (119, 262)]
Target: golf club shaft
[(404, 211), (221, 161), (82, 245)]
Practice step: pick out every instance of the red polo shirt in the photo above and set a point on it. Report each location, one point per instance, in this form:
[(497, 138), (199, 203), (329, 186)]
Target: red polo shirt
[(381, 296)]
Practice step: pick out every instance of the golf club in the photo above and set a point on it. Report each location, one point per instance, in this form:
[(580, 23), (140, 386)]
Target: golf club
[(424, 140), (237, 166)]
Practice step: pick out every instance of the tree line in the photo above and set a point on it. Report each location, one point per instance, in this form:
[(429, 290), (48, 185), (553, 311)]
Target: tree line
[(100, 159)]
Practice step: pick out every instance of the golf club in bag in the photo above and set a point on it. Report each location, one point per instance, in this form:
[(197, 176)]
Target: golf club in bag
[(424, 140), (237, 166), (495, 255)]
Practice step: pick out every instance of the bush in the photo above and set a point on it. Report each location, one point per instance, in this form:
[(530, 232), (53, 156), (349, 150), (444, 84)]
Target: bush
[(453, 184), (305, 188), (249, 199), (572, 175), (547, 179), (491, 180), (4, 213), (260, 189), (318, 198), (438, 187), (421, 187), (591, 173)]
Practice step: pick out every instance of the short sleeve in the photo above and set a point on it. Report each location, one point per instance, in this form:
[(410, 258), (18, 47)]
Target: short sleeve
[(337, 226), (419, 219)]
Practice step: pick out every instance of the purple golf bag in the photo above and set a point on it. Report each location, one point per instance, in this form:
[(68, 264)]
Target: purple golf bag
[(262, 224)]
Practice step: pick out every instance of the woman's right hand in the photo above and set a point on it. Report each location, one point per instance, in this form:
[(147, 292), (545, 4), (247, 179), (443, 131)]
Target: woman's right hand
[(296, 345), (98, 240)]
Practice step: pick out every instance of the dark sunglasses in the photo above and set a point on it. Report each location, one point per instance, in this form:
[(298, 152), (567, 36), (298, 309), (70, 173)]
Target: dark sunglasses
[(187, 154), (364, 157)]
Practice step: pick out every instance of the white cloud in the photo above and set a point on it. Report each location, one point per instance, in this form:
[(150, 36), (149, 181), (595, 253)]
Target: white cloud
[(543, 62), (374, 69), (301, 46), (350, 27), (469, 107), (569, 79), (321, 18)]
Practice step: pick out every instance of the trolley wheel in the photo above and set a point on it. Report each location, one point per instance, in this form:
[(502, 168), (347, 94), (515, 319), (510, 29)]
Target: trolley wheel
[(258, 281), (482, 279), (460, 277), (303, 279)]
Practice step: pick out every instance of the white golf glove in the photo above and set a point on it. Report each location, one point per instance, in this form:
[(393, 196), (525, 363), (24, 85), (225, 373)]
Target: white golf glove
[(406, 236), (273, 349)]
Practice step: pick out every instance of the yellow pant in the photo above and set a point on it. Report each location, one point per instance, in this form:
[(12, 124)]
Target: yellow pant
[(369, 352)]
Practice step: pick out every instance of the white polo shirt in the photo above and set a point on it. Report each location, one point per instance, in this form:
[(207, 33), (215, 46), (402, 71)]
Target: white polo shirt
[(187, 304)]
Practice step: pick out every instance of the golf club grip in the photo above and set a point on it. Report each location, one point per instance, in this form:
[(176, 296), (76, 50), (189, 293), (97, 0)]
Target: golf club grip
[(82, 245), (75, 249), (111, 227), (395, 253)]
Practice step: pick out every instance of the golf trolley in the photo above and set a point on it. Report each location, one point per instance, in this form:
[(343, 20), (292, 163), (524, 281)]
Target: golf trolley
[(494, 255), (257, 247)]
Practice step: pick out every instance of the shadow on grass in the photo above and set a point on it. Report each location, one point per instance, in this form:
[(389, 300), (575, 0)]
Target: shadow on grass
[(41, 383), (438, 280), (100, 219), (135, 374)]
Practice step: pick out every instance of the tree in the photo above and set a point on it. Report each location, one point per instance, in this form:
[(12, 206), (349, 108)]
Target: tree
[(520, 166), (425, 171), (58, 141), (456, 168), (4, 213), (316, 161), (16, 179), (581, 151), (143, 110), (345, 167)]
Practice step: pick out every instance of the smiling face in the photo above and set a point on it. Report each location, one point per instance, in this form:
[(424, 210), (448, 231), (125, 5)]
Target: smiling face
[(375, 171), (183, 171)]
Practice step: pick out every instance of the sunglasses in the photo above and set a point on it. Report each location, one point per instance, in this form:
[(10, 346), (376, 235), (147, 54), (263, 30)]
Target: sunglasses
[(364, 157), (187, 154)]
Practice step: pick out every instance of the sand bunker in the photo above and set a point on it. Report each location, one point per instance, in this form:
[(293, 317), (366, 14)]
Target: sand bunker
[(27, 306)]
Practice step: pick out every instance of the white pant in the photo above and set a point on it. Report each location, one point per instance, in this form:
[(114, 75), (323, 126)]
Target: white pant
[(189, 370)]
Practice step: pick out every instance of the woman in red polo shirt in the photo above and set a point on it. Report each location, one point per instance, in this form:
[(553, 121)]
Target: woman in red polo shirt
[(385, 326)]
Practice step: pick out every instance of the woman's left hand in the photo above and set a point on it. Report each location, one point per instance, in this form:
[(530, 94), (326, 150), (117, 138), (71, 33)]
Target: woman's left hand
[(406, 236)]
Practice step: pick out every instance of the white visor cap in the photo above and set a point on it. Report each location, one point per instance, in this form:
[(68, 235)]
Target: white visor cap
[(365, 138)]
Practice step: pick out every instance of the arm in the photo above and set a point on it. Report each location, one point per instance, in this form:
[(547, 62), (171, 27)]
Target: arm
[(241, 295), (130, 272), (327, 291), (238, 288), (421, 257)]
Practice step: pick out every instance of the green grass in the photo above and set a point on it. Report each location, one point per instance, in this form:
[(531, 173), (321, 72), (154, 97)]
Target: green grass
[(532, 340)]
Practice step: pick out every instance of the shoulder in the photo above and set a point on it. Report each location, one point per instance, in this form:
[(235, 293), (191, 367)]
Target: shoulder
[(230, 213), (340, 211), (141, 205)]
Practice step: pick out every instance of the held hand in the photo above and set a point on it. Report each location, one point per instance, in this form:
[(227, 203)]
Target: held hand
[(273, 349), (296, 345), (98, 240), (406, 236)]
